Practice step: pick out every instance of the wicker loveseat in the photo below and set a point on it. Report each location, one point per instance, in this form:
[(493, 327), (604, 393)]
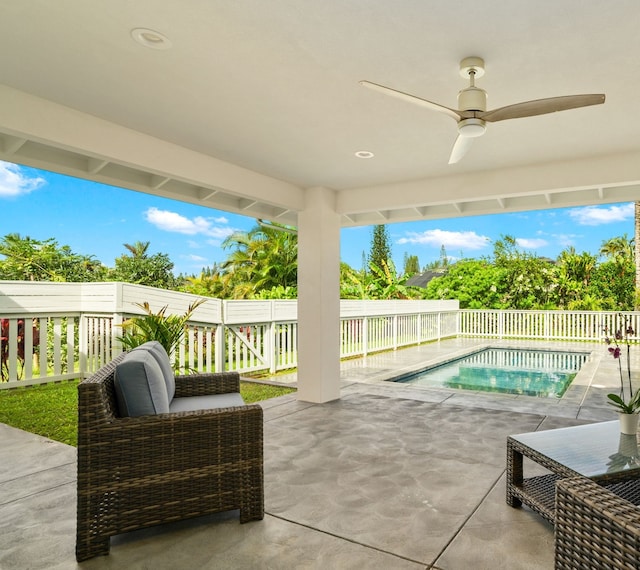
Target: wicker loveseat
[(135, 472), (597, 527)]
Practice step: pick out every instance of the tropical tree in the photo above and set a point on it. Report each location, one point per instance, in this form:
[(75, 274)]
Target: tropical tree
[(614, 281), (261, 259), (144, 269), (618, 247), (613, 284), (278, 292), (380, 253), (411, 265), (27, 259), (384, 283), (573, 276), (475, 283), (441, 263), (353, 283), (526, 280), (139, 249), (212, 282)]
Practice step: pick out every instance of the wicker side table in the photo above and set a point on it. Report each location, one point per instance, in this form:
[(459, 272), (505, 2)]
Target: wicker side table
[(587, 450)]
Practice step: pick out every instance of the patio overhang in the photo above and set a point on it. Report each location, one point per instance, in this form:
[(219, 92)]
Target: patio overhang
[(255, 108), (43, 134)]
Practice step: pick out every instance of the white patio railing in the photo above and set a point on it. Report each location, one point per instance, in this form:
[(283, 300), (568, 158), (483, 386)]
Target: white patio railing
[(546, 325), (58, 331)]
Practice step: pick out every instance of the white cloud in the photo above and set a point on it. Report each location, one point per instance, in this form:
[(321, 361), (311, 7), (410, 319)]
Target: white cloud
[(174, 222), (13, 182), (531, 243), (450, 240), (195, 258), (596, 216), (566, 240)]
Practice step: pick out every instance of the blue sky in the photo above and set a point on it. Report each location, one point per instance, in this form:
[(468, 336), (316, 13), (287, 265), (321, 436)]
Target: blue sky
[(94, 219)]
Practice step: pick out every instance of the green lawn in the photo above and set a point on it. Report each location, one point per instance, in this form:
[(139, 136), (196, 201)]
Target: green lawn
[(50, 410)]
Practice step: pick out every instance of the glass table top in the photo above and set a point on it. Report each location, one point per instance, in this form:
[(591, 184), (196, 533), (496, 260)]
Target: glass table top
[(591, 450)]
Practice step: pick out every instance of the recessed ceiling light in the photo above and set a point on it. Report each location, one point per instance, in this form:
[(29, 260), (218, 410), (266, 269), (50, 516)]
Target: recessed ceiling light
[(364, 154), (150, 38)]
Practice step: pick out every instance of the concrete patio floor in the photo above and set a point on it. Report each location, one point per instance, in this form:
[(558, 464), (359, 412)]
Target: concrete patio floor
[(387, 477)]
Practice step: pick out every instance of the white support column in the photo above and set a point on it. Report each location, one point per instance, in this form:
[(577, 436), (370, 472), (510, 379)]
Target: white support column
[(319, 298)]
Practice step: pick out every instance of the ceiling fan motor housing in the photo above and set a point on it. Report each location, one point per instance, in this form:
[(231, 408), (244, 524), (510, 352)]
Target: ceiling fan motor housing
[(472, 99)]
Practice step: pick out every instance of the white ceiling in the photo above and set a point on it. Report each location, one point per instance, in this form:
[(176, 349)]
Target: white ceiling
[(257, 100)]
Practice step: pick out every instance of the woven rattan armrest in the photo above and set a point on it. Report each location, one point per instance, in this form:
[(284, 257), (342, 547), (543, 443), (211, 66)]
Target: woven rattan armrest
[(596, 527), (205, 384)]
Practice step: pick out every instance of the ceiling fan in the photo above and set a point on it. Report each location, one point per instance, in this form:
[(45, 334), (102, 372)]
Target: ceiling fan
[(472, 115)]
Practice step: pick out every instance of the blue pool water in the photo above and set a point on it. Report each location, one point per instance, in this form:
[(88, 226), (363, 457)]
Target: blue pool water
[(546, 374)]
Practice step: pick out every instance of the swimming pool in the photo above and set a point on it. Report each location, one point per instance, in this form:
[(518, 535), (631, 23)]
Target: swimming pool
[(541, 373)]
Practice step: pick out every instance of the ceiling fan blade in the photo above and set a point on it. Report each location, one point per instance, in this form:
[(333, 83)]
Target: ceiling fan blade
[(540, 107), (460, 148), (412, 99)]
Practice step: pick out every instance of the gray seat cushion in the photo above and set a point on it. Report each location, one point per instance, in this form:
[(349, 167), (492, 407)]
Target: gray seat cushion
[(140, 385), (208, 402), (160, 354)]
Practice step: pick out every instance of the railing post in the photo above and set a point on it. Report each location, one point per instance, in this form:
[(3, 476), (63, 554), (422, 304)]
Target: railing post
[(219, 352), (83, 339), (547, 325), (271, 350), (394, 328), (365, 336), (13, 350)]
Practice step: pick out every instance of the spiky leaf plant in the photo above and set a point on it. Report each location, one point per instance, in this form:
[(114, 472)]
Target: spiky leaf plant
[(168, 330)]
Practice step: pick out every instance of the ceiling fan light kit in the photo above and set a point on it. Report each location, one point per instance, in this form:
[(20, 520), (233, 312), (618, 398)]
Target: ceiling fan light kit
[(472, 115), (471, 128)]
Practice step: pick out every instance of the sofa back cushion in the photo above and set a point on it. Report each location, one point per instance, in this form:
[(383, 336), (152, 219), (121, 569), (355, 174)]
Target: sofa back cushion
[(160, 354), (140, 385)]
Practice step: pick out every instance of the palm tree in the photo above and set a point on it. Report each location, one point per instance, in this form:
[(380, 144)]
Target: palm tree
[(620, 247), (139, 249), (212, 282), (574, 272), (262, 258)]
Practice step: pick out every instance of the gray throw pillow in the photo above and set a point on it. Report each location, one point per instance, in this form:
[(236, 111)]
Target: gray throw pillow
[(160, 354), (140, 385)]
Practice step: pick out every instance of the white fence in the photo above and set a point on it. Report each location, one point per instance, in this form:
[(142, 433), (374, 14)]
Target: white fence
[(546, 325), (58, 331)]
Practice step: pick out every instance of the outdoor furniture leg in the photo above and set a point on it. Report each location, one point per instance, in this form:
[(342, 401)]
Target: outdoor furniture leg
[(515, 474), (88, 542), (252, 501)]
